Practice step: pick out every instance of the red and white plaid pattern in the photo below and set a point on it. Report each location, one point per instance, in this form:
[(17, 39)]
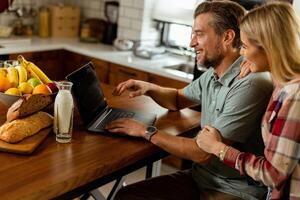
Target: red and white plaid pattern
[(280, 168)]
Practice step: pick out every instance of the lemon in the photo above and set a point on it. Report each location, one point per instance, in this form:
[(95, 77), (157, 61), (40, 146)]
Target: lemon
[(13, 91), (25, 88)]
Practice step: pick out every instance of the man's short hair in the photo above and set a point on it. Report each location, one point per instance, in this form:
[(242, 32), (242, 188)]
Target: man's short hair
[(226, 15)]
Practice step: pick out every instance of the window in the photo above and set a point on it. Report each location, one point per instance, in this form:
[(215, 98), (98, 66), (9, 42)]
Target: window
[(175, 11), (176, 35)]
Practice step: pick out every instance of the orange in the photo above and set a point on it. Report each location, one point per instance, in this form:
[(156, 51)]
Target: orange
[(4, 83), (41, 89)]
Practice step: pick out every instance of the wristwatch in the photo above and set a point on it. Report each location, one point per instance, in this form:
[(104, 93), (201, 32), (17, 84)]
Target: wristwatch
[(150, 131)]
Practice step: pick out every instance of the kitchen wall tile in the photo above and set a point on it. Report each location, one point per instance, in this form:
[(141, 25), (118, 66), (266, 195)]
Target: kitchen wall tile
[(131, 34), (121, 11), (86, 4), (138, 4), (132, 13), (125, 22), (136, 24), (139, 13), (95, 4), (121, 32), (127, 2)]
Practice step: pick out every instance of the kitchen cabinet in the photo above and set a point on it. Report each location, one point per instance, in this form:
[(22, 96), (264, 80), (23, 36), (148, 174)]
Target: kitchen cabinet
[(119, 73), (166, 82), (102, 69), (73, 61), (58, 63)]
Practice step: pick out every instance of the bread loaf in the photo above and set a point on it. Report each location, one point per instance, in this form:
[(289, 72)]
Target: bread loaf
[(17, 130), (27, 105)]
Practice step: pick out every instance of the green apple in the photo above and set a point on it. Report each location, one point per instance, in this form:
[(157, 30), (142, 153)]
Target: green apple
[(34, 82)]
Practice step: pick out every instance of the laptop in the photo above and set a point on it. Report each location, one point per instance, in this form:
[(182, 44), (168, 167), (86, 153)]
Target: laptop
[(92, 105)]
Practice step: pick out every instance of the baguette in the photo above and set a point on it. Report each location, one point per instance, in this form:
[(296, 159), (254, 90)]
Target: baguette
[(27, 105), (17, 130)]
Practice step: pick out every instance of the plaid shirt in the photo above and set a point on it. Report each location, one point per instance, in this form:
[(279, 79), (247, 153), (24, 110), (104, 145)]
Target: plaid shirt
[(280, 168)]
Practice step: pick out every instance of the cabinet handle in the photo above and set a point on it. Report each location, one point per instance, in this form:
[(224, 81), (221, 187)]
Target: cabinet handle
[(127, 73)]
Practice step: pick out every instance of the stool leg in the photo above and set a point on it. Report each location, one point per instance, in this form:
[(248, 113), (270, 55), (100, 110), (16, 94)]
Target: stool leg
[(117, 186)]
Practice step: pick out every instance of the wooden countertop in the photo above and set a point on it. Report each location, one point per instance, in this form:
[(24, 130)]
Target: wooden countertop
[(55, 169)]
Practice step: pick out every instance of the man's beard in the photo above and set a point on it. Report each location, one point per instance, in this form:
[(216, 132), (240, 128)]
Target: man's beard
[(215, 60)]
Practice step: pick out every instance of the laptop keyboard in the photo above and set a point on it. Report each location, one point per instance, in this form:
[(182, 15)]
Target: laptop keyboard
[(113, 116)]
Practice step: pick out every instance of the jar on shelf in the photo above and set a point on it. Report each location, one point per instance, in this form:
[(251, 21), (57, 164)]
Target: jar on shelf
[(44, 17)]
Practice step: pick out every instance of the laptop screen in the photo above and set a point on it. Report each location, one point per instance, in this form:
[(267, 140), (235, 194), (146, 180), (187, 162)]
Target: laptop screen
[(86, 90)]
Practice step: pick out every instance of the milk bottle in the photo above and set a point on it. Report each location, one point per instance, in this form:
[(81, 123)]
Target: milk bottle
[(63, 112)]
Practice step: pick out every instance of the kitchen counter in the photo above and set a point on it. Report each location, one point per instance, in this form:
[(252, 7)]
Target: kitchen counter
[(103, 52)]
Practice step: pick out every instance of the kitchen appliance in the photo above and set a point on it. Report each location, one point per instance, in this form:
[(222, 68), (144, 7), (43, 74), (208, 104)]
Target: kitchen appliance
[(92, 30), (123, 44), (149, 52), (112, 14)]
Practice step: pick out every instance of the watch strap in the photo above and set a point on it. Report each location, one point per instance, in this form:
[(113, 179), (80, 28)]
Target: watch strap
[(222, 153)]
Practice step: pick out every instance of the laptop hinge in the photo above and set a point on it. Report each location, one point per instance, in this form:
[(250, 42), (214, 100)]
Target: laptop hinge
[(100, 117)]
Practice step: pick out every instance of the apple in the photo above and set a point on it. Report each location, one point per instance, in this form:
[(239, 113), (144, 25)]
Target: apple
[(34, 82), (52, 87)]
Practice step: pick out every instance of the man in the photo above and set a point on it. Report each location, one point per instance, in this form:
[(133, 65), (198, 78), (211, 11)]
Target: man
[(233, 106)]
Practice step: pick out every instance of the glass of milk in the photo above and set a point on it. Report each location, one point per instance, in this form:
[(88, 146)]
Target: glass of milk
[(63, 112)]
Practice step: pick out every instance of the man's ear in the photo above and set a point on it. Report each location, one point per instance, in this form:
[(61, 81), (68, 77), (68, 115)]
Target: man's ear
[(229, 36)]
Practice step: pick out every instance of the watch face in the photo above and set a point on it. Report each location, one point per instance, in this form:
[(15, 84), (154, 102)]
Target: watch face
[(151, 129)]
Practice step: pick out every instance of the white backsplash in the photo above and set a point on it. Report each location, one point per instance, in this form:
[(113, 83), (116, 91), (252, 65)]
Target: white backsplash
[(135, 20), (134, 15), (7, 18)]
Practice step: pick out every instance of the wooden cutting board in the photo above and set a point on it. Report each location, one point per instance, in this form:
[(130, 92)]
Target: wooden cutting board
[(26, 146)]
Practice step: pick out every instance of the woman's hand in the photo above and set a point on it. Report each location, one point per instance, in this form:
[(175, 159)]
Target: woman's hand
[(245, 68), (209, 140)]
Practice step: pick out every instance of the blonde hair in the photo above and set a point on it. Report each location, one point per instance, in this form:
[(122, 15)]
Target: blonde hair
[(275, 28)]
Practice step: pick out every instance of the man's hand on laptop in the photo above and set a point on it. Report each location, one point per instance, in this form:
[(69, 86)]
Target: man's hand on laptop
[(135, 87), (127, 126)]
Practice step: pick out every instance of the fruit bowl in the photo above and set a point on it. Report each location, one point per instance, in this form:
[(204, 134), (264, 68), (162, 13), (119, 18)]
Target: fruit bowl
[(6, 100), (23, 77)]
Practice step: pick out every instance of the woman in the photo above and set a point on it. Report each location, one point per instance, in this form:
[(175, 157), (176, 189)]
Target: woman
[(271, 40)]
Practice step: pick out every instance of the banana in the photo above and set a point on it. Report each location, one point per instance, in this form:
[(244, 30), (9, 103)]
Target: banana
[(42, 76), (25, 64), (22, 73), (12, 75), (32, 74)]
